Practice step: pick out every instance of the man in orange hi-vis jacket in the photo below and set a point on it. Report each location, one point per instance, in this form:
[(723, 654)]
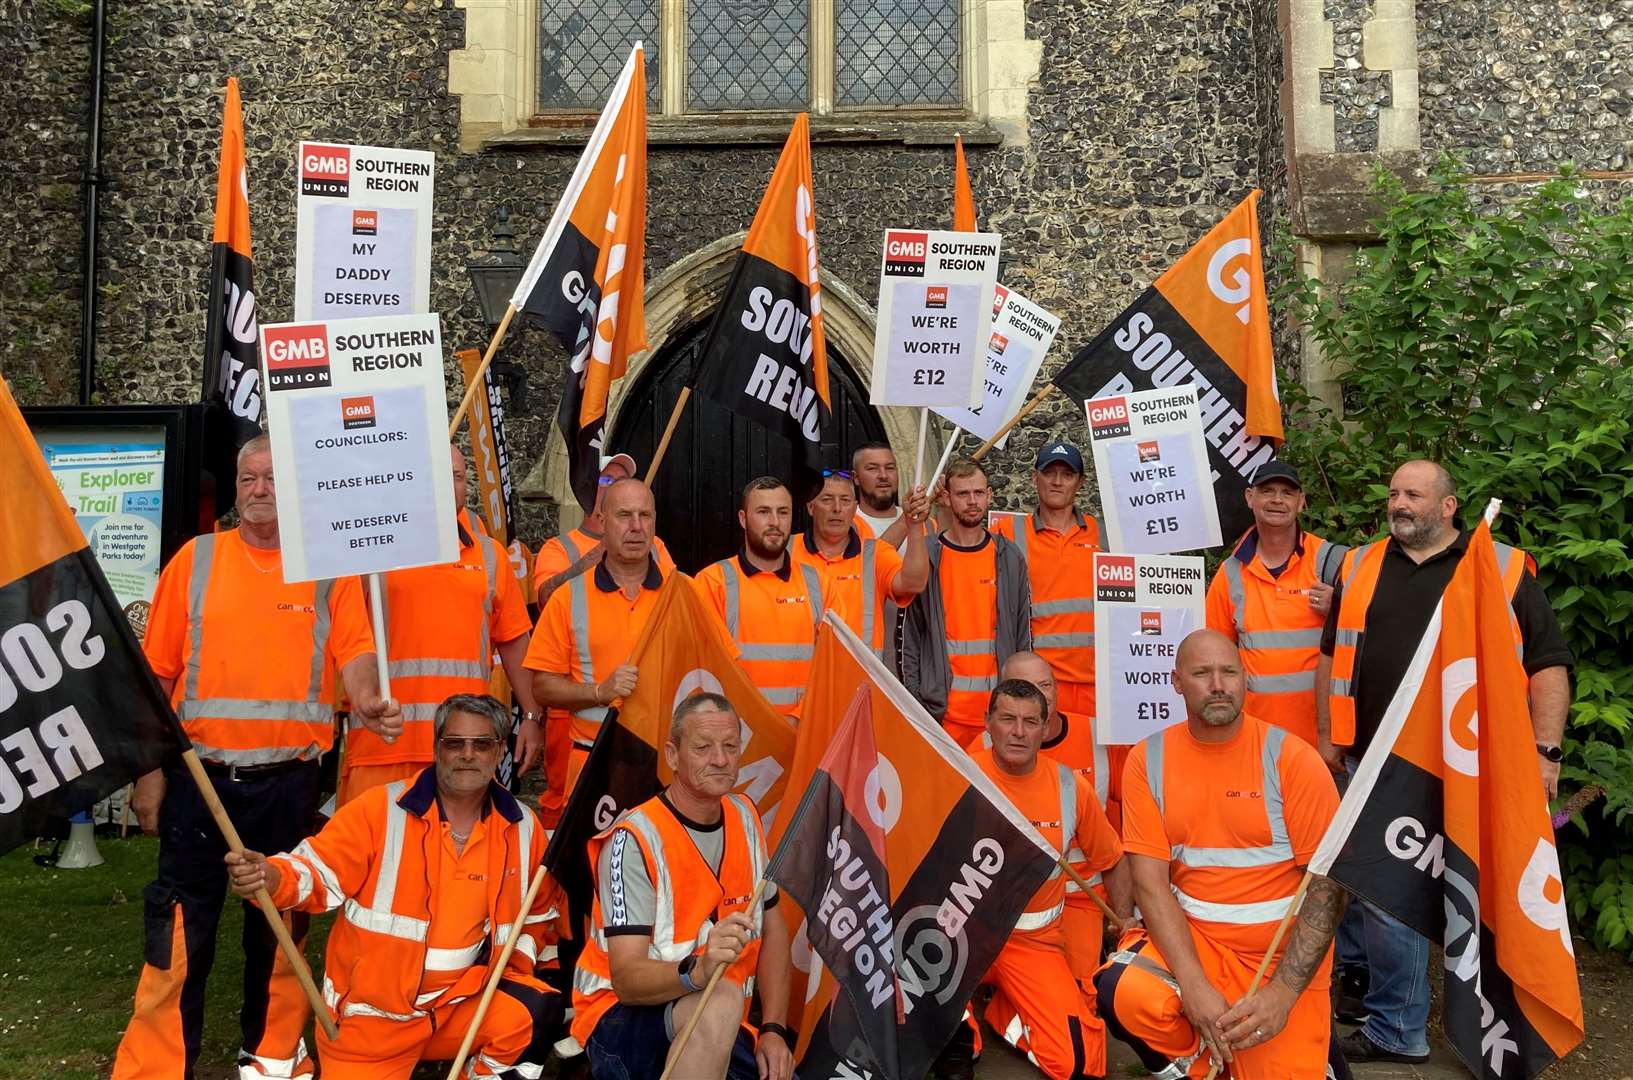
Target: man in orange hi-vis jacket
[(1220, 816), (1038, 1007), (428, 875), (247, 660)]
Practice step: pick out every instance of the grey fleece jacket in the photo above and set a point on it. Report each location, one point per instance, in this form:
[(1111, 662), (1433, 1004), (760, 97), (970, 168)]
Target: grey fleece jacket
[(926, 671)]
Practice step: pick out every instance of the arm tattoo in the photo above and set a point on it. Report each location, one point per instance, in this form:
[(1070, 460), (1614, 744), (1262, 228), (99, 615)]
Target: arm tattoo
[(1311, 933)]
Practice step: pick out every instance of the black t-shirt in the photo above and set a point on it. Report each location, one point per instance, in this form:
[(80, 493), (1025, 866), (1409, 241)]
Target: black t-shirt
[(1402, 605)]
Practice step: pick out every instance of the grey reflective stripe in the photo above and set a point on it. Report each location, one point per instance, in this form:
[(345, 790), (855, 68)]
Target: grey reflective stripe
[(974, 683), (269, 755), (1341, 687), (1153, 768), (1102, 773), (813, 594), (1296, 682), (1072, 606), (1146, 964), (982, 647), (781, 695), (869, 591), (579, 591), (437, 667), (595, 714), (1348, 637), (1022, 532), (320, 637), (728, 578), (1265, 911), (1232, 569), (385, 884), (569, 547), (1068, 814), (197, 582), (492, 559), (303, 712), (1278, 639), (746, 817), (1037, 920), (775, 652), (1329, 561), (1062, 641), (1280, 848), (1361, 554)]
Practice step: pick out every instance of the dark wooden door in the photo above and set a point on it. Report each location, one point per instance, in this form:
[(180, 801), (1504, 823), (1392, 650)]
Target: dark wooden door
[(715, 452)]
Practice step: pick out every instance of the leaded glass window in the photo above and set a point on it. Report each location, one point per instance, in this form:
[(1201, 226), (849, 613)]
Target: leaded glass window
[(583, 45), (748, 54), (896, 52)]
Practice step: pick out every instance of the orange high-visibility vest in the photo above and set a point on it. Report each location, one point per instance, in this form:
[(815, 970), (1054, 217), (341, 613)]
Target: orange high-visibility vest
[(857, 583), (691, 898), (1060, 567), (1276, 632), (773, 618), (1359, 574), (252, 657), (440, 634), (969, 592), (376, 861)]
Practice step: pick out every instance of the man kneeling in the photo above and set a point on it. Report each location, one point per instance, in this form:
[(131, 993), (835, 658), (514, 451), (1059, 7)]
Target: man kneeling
[(675, 881), (429, 875)]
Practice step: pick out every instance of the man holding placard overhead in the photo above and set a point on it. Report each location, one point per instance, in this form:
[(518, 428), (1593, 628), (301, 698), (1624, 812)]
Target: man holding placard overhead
[(976, 609), (248, 661)]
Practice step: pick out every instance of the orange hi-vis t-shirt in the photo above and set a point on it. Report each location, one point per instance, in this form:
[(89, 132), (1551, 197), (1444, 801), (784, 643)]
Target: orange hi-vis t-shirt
[(252, 657), (459, 913), (587, 630), (560, 552), (969, 597), (1060, 567), (859, 582), (772, 616), (1235, 821), (1079, 830), (442, 624)]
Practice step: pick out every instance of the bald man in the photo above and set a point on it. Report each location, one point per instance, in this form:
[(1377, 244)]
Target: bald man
[(1221, 814)]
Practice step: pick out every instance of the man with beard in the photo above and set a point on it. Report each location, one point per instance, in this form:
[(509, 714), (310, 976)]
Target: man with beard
[(770, 604), (1387, 591), (1221, 814), (877, 482), (976, 609)]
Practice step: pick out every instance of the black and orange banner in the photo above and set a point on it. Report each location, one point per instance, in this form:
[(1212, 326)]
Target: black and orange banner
[(232, 365), (1446, 827), (1204, 321), (765, 357), (682, 650), (960, 862), (490, 451), (80, 711), (586, 281)]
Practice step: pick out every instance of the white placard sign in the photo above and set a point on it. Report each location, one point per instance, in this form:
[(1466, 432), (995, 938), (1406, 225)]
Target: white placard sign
[(1144, 606), (1152, 466), (1021, 334), (935, 317), (358, 416), (362, 231)]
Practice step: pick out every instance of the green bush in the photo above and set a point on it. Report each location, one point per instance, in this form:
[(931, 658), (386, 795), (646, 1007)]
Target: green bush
[(1498, 341)]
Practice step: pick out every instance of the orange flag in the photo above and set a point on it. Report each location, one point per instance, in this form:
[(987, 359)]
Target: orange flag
[(1446, 827), (963, 196), (586, 282)]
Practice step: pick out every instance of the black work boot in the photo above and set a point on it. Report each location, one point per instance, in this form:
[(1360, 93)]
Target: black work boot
[(957, 1060)]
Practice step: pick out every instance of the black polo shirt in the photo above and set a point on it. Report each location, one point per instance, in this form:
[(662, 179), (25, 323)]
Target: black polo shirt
[(1402, 605)]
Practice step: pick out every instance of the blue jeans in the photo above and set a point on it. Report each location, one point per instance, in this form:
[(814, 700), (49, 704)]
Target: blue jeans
[(630, 1042), (1349, 943), (1397, 998)]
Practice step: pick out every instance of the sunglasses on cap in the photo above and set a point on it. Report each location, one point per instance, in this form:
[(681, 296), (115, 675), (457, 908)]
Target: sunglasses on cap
[(844, 473)]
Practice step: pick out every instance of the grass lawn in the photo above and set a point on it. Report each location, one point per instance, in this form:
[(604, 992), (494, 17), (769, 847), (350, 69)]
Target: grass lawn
[(70, 953)]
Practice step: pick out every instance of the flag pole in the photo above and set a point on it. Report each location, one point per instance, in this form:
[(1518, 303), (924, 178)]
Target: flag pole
[(1275, 943), (263, 899), (382, 665), (918, 460), (1037, 399), (703, 999), (668, 433), (481, 369), (497, 970), (946, 455), (1099, 902)]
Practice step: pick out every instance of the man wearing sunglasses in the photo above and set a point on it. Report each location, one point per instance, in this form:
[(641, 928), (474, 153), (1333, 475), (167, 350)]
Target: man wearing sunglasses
[(428, 875), (866, 579)]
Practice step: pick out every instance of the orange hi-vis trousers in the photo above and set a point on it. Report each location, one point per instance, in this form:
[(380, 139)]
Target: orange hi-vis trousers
[(515, 1032), (1039, 1009), (1139, 1000), (273, 812)]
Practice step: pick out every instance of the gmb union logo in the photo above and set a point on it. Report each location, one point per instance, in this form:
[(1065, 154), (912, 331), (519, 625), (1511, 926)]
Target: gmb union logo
[(1240, 286)]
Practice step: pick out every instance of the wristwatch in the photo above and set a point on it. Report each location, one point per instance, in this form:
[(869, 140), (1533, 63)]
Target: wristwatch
[(531, 717), (1552, 753)]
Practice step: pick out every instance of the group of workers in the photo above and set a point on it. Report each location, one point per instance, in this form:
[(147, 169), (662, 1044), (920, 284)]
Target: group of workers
[(1194, 839)]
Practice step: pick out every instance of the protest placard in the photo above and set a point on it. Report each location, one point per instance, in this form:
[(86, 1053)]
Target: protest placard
[(1021, 334), (935, 317), (358, 416), (113, 482), (1144, 606), (362, 231), (1152, 467)]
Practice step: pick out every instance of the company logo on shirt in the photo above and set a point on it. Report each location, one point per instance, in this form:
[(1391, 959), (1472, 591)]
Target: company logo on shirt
[(1114, 578), (1149, 452), (1150, 622), (326, 170), (297, 357), (935, 297), (357, 412), (790, 599), (1108, 418), (301, 609), (1233, 794), (365, 222)]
